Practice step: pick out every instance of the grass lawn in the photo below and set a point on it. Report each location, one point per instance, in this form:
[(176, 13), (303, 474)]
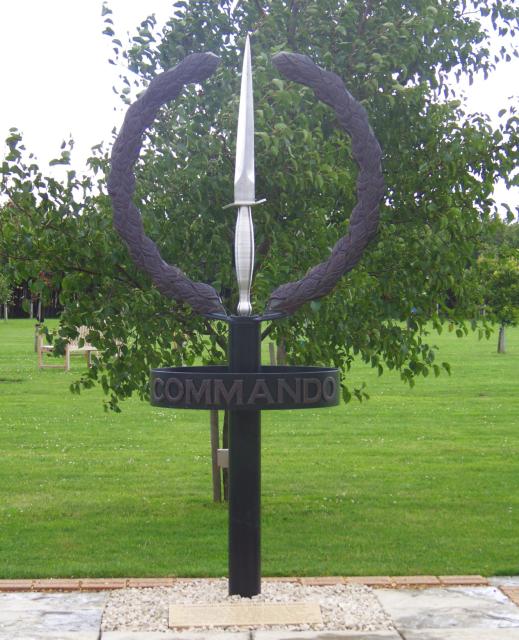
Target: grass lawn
[(414, 481)]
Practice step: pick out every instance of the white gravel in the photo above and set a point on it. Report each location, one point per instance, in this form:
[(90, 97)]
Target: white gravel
[(343, 607)]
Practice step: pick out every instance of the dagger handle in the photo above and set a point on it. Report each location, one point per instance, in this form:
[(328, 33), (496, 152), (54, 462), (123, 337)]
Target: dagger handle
[(244, 258)]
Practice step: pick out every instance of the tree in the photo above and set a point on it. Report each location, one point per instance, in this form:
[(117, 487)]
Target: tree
[(496, 274), (6, 292), (500, 280), (504, 236), (440, 164)]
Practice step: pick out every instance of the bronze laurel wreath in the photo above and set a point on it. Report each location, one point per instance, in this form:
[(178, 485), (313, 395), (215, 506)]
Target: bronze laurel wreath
[(320, 280), (366, 151), (169, 280)]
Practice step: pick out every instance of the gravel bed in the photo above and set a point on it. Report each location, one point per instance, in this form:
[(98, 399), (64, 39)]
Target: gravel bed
[(343, 607)]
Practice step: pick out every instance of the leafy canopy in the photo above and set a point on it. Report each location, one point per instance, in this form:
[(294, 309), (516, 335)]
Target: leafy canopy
[(501, 278)]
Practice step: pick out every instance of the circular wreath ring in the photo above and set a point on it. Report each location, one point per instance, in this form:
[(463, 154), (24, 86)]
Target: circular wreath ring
[(320, 280)]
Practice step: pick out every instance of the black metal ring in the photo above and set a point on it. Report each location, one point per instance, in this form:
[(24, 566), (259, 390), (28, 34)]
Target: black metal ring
[(215, 387)]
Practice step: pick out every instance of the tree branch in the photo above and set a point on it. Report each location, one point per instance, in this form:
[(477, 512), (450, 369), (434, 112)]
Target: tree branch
[(267, 331), (219, 340), (63, 267), (130, 279), (259, 7)]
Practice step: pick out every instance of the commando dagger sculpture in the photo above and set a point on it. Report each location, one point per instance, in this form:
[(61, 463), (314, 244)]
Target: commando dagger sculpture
[(244, 188)]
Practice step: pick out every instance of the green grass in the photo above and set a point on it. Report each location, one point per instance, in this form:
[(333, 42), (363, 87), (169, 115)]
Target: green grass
[(414, 481)]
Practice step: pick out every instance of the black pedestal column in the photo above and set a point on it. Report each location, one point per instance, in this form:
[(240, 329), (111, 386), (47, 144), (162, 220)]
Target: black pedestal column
[(244, 467)]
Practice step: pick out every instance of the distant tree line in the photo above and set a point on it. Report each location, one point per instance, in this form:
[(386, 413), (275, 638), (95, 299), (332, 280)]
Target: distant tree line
[(18, 301)]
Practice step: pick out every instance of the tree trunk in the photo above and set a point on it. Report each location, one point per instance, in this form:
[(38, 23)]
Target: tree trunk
[(215, 441), (37, 328), (225, 445), (272, 354), (6, 312), (501, 339), (281, 355)]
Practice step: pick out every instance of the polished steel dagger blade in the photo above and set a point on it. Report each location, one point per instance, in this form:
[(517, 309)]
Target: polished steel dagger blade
[(244, 181)]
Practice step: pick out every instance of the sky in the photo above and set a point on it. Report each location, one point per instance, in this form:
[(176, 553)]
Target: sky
[(55, 77), (56, 80)]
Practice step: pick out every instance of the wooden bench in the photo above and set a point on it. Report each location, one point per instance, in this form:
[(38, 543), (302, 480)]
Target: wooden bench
[(71, 348)]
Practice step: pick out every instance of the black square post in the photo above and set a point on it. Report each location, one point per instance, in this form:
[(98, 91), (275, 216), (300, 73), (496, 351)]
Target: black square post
[(244, 466)]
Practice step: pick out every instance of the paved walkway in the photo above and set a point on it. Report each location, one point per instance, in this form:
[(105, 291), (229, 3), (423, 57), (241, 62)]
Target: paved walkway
[(51, 616), (436, 613)]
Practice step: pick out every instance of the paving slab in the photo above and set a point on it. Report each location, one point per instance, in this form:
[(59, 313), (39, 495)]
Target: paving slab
[(51, 635), (370, 581), (323, 581), (461, 634), (449, 607), (174, 635), (464, 581), (326, 635), (100, 584), (504, 581), (512, 593), (415, 581), (16, 585), (255, 635), (50, 616), (56, 585)]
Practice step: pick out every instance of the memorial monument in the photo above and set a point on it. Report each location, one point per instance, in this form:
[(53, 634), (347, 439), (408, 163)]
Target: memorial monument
[(245, 387)]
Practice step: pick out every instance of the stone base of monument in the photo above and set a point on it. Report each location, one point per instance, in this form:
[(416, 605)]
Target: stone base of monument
[(240, 614)]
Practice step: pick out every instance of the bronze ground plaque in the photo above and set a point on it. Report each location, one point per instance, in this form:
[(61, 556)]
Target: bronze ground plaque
[(239, 614)]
